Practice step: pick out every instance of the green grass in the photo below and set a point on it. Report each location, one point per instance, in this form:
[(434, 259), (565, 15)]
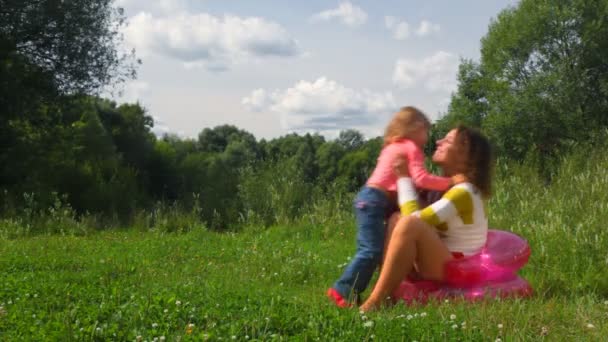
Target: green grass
[(269, 284)]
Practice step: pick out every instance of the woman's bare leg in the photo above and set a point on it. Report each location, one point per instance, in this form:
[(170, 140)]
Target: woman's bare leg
[(390, 226), (412, 240)]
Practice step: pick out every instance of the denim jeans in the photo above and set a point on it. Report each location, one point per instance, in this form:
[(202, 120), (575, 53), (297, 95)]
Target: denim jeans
[(370, 206)]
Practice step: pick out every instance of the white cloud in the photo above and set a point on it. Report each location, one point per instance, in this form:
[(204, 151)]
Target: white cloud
[(346, 12), (160, 127), (130, 92), (323, 105), (427, 28), (436, 73), (400, 29), (160, 6), (202, 40)]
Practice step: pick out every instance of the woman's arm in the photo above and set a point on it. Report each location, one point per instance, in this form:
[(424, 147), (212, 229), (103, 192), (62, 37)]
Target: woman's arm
[(456, 202)]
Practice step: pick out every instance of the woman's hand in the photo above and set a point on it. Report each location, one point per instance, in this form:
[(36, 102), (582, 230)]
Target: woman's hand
[(400, 167), (459, 178)]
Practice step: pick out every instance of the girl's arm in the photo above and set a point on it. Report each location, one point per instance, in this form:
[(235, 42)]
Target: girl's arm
[(421, 177)]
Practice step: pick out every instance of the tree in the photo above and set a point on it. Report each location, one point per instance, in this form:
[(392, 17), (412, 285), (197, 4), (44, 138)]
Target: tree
[(73, 41), (350, 139), (542, 81)]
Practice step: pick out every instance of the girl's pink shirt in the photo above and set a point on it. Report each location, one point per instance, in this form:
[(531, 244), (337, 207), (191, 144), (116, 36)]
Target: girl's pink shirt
[(385, 177)]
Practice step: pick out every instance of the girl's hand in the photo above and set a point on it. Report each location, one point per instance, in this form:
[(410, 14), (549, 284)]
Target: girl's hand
[(400, 167)]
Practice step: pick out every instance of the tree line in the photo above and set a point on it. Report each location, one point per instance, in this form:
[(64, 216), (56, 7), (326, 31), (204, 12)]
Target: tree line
[(539, 89)]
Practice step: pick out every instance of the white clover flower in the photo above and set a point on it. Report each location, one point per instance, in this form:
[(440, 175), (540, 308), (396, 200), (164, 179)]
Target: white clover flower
[(409, 317), (499, 325), (498, 339), (154, 325), (98, 329), (452, 317), (35, 295), (81, 329), (455, 326), (161, 339), (166, 310), (590, 326), (423, 314), (155, 339), (233, 337), (368, 324), (246, 337), (606, 302), (178, 303), (544, 331), (363, 317), (191, 325)]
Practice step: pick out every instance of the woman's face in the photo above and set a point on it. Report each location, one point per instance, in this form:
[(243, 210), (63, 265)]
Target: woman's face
[(450, 154)]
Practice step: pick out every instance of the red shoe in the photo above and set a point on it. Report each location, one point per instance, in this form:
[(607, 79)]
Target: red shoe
[(337, 298)]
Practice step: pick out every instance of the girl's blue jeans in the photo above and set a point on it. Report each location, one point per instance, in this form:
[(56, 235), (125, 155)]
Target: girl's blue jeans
[(370, 208)]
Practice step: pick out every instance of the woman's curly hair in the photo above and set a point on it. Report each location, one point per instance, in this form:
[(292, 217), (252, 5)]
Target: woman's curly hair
[(480, 164)]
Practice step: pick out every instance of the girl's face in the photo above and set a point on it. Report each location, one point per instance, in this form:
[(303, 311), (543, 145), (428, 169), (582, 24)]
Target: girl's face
[(451, 154), (421, 135)]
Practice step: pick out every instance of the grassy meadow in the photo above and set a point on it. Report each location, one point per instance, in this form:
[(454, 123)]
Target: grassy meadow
[(135, 284)]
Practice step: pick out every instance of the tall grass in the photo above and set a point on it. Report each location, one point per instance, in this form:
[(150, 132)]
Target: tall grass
[(167, 276)]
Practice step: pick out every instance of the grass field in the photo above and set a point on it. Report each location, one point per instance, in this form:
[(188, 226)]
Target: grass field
[(269, 284)]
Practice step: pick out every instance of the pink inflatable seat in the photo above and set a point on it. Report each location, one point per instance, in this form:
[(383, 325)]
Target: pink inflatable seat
[(490, 273)]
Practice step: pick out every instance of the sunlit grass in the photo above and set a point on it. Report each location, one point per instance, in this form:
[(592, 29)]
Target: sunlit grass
[(264, 284)]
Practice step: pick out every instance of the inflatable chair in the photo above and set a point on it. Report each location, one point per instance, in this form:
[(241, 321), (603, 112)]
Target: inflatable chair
[(489, 274)]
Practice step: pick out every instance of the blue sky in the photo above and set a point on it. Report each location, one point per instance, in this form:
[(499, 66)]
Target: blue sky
[(274, 67)]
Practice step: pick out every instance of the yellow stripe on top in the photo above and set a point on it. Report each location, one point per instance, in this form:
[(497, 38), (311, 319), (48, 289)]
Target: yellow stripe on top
[(463, 202), (429, 216), (409, 207)]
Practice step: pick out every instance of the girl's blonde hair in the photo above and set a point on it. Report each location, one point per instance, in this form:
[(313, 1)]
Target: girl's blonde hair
[(406, 121)]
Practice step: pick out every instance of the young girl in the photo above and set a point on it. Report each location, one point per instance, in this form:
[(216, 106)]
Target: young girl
[(405, 135)]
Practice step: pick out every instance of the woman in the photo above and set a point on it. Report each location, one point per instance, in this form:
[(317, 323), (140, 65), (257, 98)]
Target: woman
[(452, 227)]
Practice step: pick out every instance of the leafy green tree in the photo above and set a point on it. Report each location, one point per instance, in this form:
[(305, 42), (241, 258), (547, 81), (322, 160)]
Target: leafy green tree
[(350, 139), (541, 83), (73, 41)]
